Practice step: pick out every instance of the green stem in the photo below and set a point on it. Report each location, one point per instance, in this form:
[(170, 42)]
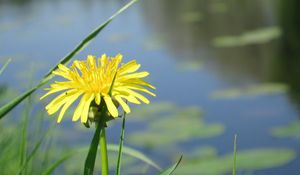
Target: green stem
[(234, 156), (121, 146), (103, 151)]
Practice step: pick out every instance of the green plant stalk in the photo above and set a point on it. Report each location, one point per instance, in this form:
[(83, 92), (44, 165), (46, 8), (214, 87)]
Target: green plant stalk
[(234, 156), (121, 146), (103, 151)]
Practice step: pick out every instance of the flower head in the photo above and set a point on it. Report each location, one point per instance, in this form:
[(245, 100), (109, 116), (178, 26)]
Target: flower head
[(97, 81)]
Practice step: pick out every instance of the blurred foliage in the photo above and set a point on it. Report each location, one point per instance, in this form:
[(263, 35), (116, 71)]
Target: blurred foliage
[(254, 90), (292, 130), (192, 17), (21, 152), (258, 36)]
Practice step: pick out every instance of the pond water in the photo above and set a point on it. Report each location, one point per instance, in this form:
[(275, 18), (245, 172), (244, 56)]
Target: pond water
[(230, 66)]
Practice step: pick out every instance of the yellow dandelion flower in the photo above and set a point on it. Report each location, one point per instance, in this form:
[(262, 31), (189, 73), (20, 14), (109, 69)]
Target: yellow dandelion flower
[(92, 80)]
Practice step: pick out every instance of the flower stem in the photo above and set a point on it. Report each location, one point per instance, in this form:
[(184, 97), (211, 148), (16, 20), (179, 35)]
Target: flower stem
[(103, 152), (121, 146)]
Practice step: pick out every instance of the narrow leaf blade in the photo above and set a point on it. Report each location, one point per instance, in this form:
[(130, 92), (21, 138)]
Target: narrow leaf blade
[(4, 66), (91, 157), (51, 168), (172, 168), (12, 104), (133, 153)]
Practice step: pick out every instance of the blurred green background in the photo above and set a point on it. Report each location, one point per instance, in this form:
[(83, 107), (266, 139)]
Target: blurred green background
[(220, 67)]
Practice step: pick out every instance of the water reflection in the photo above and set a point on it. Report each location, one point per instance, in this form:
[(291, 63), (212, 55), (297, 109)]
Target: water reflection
[(187, 30), (192, 38)]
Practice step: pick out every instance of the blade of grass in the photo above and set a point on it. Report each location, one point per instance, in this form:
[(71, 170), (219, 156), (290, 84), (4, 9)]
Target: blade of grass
[(34, 151), (23, 145), (51, 168), (12, 104), (91, 157), (234, 156), (5, 65), (121, 146), (30, 156), (133, 153), (171, 169)]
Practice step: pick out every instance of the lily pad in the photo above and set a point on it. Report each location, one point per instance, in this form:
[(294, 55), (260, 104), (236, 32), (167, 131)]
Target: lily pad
[(247, 160), (259, 36), (160, 131), (292, 130), (155, 43), (254, 90), (189, 66)]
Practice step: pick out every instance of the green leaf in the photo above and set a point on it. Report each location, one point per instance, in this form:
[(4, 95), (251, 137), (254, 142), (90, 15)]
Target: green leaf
[(31, 155), (133, 153), (23, 145), (91, 157), (12, 104), (172, 168), (249, 91), (291, 130), (4, 66), (51, 168), (259, 36), (248, 160), (161, 132), (9, 106)]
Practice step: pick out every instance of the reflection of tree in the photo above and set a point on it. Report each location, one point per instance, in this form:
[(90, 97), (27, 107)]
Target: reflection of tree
[(288, 63), (192, 39)]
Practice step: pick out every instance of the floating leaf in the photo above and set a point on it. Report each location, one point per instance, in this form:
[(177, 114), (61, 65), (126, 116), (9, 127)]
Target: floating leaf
[(155, 43), (189, 66), (247, 160), (161, 131), (292, 130), (263, 89), (258, 36)]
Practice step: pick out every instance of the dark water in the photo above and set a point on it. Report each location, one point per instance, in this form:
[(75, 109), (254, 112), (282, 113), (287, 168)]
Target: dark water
[(181, 44)]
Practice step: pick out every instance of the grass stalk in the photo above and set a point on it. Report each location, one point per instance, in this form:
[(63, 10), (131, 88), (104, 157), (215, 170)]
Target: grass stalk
[(103, 151), (121, 146), (234, 156)]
